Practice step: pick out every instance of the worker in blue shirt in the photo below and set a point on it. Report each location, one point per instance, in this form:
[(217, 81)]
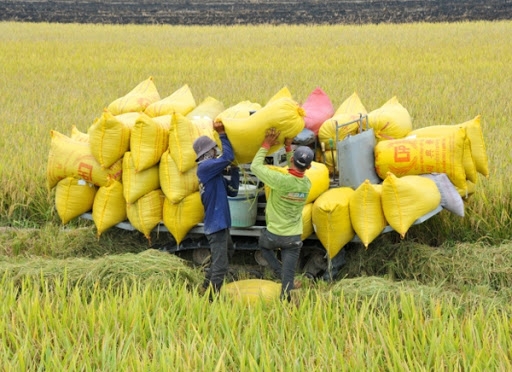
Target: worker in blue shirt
[(215, 188)]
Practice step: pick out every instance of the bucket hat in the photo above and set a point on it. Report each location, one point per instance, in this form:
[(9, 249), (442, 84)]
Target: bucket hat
[(202, 145)]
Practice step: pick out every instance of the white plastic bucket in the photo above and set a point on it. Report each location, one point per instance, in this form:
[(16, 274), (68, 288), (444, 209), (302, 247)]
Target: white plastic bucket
[(244, 207)]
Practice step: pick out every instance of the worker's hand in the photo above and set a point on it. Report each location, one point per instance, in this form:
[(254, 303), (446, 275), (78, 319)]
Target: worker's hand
[(271, 138), (218, 126)]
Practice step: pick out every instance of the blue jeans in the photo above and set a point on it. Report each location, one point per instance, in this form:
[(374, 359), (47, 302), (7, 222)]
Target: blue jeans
[(290, 251), (221, 248)]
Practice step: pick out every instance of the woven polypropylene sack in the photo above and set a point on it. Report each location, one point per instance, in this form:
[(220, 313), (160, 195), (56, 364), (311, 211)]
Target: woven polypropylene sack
[(366, 213), (149, 140), (146, 212), (406, 199), (73, 197), (209, 108), (307, 221), (415, 156), (176, 185), (331, 219), (137, 184), (109, 207), (318, 108), (247, 134), (240, 110), (136, 100), (252, 291), (181, 101), (71, 158), (478, 150), (182, 134), (390, 121), (109, 138), (180, 217), (435, 131)]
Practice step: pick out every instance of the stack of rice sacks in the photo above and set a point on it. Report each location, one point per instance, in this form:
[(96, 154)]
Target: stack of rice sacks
[(136, 161)]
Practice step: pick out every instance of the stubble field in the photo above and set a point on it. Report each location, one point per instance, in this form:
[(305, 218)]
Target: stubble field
[(231, 12)]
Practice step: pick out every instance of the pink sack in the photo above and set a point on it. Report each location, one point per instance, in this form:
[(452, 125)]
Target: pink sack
[(319, 108)]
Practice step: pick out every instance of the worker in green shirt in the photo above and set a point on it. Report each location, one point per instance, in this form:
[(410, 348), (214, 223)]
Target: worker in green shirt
[(283, 214)]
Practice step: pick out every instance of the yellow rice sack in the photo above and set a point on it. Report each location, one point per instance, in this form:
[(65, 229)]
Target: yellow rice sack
[(180, 217), (331, 219), (149, 140), (79, 136), (327, 131), (247, 134), (406, 199), (136, 100), (351, 105), (146, 212), (318, 174), (73, 197), (284, 92), (109, 207), (451, 130), (390, 121), (307, 221), (181, 101), (348, 111), (109, 138), (210, 107), (128, 118), (137, 184), (471, 190), (475, 135), (182, 134), (329, 158), (176, 185), (241, 110), (252, 291), (204, 127), (414, 156), (70, 158), (366, 213)]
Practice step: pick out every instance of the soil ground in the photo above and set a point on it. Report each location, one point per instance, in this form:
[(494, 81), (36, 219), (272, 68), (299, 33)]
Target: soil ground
[(232, 12)]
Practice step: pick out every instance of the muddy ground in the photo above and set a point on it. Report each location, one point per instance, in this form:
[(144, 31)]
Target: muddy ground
[(232, 12)]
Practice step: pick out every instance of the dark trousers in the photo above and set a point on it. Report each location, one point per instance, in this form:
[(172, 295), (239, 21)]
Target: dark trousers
[(221, 248), (290, 251)]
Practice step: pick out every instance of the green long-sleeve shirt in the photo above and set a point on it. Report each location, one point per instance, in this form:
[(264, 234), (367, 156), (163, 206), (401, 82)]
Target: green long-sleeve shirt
[(288, 194)]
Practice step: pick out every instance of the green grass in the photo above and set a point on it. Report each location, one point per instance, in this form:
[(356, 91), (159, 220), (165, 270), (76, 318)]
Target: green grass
[(146, 317)]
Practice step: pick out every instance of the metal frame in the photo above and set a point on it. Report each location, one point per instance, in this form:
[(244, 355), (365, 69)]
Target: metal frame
[(255, 231), (337, 127)]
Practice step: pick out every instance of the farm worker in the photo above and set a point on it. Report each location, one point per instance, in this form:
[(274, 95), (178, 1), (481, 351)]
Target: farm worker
[(215, 189), (283, 214)]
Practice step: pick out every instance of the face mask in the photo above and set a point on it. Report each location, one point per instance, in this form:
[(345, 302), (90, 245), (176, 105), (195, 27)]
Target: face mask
[(209, 155)]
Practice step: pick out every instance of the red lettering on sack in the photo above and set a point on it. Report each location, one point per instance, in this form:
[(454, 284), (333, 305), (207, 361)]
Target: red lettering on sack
[(402, 154), (85, 171)]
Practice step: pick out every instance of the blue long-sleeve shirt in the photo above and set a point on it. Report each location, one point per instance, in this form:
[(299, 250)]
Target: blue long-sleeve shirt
[(215, 188)]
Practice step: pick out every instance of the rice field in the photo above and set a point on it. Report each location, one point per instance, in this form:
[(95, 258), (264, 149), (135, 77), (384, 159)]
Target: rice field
[(75, 302)]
